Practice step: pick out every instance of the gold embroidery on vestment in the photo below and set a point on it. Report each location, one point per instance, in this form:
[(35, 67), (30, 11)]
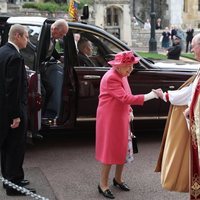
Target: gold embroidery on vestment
[(195, 187)]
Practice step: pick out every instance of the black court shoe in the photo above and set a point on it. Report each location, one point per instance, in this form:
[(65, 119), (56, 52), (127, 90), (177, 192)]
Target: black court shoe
[(123, 186), (107, 193)]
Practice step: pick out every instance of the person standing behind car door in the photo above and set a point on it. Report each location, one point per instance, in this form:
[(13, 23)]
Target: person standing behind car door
[(13, 108)]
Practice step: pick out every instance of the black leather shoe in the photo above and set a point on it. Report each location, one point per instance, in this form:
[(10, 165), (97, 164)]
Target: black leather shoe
[(23, 182), (107, 193), (123, 186), (12, 192), (20, 183)]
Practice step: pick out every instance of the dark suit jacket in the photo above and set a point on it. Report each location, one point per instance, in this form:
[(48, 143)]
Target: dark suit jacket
[(44, 53), (189, 34), (85, 61), (173, 32), (13, 86), (174, 52)]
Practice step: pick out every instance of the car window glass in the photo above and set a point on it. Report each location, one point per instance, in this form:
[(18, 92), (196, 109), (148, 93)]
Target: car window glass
[(102, 48), (29, 52)]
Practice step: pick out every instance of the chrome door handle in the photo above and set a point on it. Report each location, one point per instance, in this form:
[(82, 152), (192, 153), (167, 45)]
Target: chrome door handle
[(171, 87), (89, 77)]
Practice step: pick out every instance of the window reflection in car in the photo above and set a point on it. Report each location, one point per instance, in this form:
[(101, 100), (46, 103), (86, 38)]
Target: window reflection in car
[(103, 50), (29, 52)]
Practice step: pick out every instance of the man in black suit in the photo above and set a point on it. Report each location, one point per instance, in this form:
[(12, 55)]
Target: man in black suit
[(85, 49), (57, 30), (13, 107)]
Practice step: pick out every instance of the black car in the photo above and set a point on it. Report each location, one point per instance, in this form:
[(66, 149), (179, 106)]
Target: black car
[(76, 88)]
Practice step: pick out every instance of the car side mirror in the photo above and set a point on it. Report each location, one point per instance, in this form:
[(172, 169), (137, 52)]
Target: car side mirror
[(85, 14)]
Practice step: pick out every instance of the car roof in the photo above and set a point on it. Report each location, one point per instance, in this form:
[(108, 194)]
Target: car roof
[(75, 25), (27, 20), (97, 31)]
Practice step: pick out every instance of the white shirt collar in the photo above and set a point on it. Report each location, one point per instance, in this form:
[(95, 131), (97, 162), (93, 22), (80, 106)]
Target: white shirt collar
[(14, 45)]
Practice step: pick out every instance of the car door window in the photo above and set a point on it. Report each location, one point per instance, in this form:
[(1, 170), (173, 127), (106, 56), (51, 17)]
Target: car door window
[(29, 52), (103, 49)]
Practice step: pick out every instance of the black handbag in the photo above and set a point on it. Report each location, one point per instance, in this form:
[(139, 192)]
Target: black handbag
[(134, 143), (134, 139)]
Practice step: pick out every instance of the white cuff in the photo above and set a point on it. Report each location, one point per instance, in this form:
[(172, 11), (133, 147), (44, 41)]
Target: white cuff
[(166, 96)]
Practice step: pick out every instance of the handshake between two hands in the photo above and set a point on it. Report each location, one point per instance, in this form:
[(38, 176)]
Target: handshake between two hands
[(154, 94), (158, 92)]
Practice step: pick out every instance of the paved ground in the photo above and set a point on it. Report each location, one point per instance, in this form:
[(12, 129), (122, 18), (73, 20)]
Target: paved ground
[(37, 178), (65, 166)]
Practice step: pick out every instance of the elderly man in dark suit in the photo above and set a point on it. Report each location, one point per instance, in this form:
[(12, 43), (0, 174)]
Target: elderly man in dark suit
[(85, 49), (57, 30), (13, 108)]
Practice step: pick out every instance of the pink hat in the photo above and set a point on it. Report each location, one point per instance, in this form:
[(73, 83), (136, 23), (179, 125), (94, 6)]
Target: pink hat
[(123, 59)]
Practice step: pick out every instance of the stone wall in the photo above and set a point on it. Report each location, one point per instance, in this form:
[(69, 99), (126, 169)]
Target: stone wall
[(141, 37), (3, 6)]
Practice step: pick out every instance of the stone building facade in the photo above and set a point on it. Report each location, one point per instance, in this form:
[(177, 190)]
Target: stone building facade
[(115, 16), (3, 6), (191, 13)]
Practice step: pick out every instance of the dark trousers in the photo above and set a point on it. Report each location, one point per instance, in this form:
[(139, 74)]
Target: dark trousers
[(188, 44), (13, 151)]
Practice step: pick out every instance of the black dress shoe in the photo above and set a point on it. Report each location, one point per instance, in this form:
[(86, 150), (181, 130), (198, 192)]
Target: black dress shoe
[(13, 192), (123, 186), (20, 183), (23, 182), (107, 193)]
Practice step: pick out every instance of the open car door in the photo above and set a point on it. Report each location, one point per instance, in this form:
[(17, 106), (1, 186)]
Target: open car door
[(69, 95)]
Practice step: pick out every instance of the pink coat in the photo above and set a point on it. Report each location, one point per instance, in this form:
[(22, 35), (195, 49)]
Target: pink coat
[(112, 120)]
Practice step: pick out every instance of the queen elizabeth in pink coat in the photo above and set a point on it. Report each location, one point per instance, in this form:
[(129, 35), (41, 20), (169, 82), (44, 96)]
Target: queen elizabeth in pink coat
[(112, 120)]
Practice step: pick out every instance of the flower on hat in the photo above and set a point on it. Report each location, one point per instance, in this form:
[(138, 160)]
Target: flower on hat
[(124, 58), (127, 59)]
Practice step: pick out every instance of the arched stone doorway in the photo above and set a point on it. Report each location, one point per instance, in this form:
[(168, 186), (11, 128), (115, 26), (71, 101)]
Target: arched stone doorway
[(115, 18), (112, 20)]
